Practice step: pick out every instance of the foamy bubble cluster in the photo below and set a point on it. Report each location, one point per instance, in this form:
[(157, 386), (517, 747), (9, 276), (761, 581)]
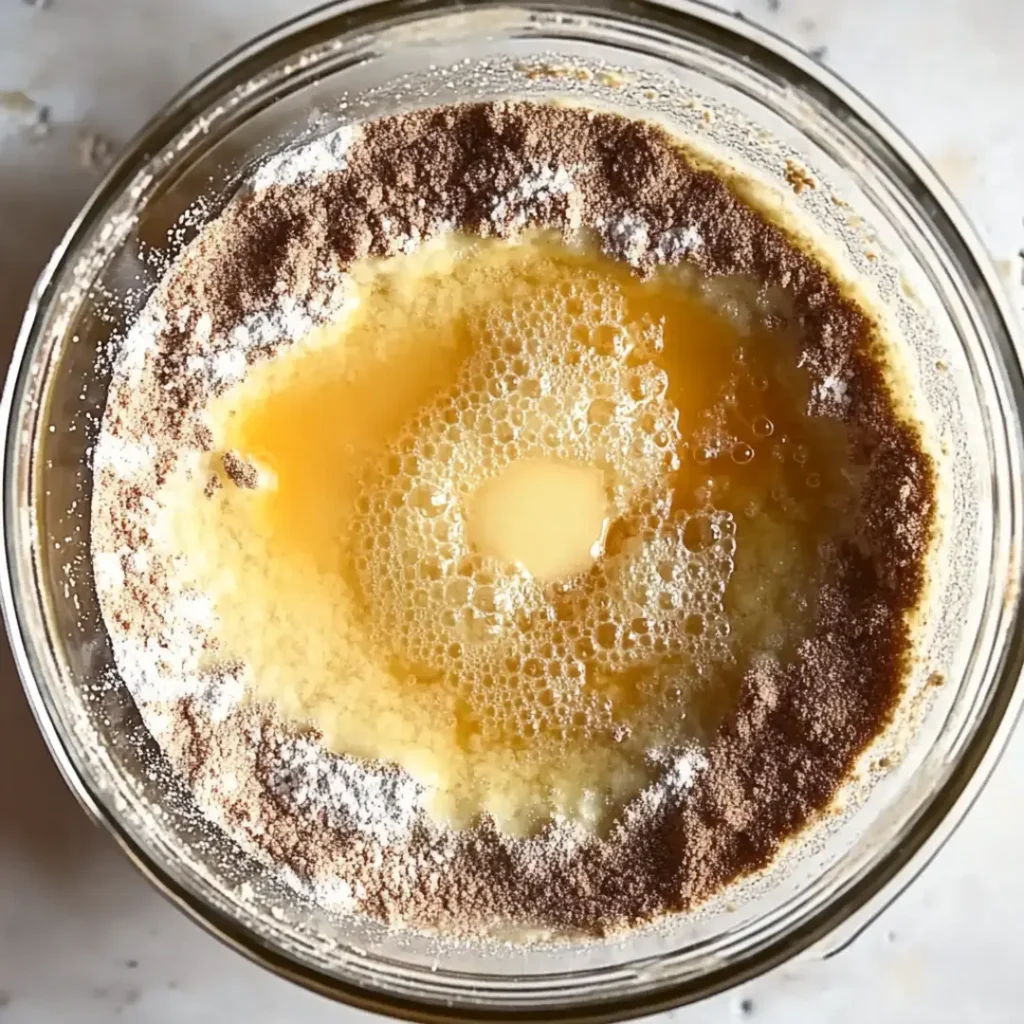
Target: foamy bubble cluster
[(561, 373)]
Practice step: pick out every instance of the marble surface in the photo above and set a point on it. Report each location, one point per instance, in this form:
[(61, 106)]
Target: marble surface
[(82, 937)]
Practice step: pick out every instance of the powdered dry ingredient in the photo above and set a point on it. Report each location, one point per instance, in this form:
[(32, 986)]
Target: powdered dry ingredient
[(271, 267), (293, 166)]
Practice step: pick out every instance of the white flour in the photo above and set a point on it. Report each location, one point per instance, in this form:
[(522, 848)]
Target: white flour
[(522, 201), (628, 238), (304, 162), (346, 792)]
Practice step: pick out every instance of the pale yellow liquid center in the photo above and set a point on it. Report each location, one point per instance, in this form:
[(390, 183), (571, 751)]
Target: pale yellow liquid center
[(547, 516), (523, 519)]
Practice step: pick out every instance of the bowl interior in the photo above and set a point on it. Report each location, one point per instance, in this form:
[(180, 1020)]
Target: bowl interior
[(738, 98)]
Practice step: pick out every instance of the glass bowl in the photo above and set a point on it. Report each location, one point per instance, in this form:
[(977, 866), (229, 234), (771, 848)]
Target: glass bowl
[(889, 225)]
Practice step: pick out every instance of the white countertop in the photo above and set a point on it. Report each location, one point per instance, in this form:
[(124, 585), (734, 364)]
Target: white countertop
[(82, 937)]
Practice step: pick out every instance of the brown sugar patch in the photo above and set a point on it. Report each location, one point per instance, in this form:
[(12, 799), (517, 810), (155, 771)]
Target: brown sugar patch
[(240, 473), (798, 177), (204, 437), (798, 726)]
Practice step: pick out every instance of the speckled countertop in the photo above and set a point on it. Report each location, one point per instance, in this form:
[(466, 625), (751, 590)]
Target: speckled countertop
[(82, 937)]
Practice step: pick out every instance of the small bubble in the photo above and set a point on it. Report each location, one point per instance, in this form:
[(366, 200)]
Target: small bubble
[(762, 426), (505, 432), (813, 480), (698, 533), (425, 499), (533, 668), (601, 412), (741, 453), (608, 339), (431, 568), (585, 649), (693, 625)]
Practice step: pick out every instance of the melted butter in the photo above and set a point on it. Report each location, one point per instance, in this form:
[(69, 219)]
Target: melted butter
[(526, 520), (547, 516)]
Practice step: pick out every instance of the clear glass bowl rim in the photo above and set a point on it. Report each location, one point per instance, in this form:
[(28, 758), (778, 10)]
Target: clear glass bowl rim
[(843, 919)]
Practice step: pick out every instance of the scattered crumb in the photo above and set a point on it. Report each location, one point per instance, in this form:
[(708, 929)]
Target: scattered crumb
[(43, 123), (95, 151), (14, 101), (818, 53), (745, 1007), (535, 72), (612, 79), (936, 679), (21, 107), (798, 178), (131, 964), (213, 485), (1011, 272)]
